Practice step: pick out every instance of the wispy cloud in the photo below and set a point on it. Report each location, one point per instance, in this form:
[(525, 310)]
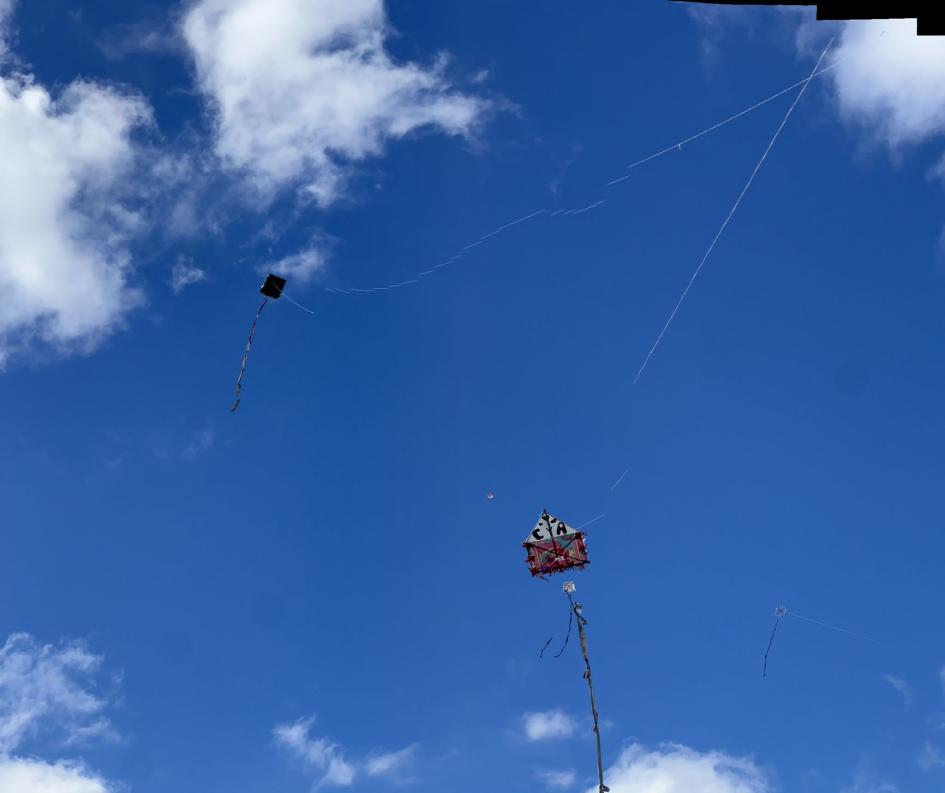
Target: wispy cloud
[(549, 725), (930, 757), (900, 685), (328, 761), (185, 273), (557, 780), (201, 443), (302, 265), (317, 754), (393, 766), (50, 689), (867, 782)]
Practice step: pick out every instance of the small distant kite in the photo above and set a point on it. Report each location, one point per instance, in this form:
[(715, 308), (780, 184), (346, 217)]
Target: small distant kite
[(270, 290), (782, 611), (553, 547), (490, 495), (779, 613)]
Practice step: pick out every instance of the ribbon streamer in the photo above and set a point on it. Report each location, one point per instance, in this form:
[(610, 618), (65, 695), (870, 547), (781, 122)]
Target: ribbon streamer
[(249, 346)]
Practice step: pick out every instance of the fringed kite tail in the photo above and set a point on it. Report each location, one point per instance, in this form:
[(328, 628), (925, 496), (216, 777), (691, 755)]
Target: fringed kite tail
[(249, 346)]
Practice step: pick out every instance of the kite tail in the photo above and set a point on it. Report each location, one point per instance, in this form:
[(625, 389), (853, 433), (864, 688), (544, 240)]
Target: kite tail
[(564, 646), (581, 622), (770, 642), (249, 346)]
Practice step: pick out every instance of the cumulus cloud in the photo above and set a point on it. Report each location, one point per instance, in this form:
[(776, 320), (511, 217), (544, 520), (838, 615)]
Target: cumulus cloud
[(900, 685), (550, 725), (65, 220), (887, 81), (557, 780), (677, 769), (34, 776), (49, 688), (891, 80), (301, 89)]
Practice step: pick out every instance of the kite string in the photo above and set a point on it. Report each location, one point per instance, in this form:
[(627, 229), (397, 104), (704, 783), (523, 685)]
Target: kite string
[(617, 483), (584, 525), (571, 212), (729, 120), (297, 305), (249, 346), (731, 214), (831, 627)]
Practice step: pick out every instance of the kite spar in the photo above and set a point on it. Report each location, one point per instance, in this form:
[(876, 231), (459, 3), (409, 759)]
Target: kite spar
[(554, 547)]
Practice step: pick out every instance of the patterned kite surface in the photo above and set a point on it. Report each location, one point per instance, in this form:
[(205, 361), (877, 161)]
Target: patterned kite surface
[(553, 547)]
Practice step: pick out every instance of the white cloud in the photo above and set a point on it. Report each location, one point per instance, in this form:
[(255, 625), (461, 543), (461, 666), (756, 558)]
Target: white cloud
[(47, 688), (6, 11), (317, 754), (888, 81), (303, 88), (327, 760), (931, 757), (549, 725), (677, 769), (392, 765), (184, 273), (900, 685), (891, 80), (35, 776), (302, 265), (64, 216), (557, 780)]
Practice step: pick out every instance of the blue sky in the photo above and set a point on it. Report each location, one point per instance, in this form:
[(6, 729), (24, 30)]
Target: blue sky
[(315, 592)]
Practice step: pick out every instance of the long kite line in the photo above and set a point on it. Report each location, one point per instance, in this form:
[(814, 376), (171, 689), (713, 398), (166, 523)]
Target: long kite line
[(782, 611), (561, 213), (731, 214)]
